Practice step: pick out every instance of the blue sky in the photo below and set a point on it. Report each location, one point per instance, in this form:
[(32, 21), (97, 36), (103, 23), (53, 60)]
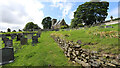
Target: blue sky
[(16, 13), (55, 12)]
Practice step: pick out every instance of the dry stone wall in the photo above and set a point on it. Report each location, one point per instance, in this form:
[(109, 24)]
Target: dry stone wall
[(85, 57)]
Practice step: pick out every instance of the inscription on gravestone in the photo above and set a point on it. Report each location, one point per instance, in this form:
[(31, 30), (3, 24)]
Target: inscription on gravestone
[(23, 41), (29, 36), (6, 55), (34, 39), (8, 43)]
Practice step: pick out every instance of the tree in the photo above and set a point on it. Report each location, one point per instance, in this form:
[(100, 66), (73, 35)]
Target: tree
[(14, 31), (111, 17), (8, 30), (31, 26), (90, 13), (19, 30), (47, 22)]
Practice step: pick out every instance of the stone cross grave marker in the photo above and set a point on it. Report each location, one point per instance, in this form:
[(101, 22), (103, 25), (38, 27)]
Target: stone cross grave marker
[(6, 55), (23, 41), (8, 43), (29, 36), (34, 39)]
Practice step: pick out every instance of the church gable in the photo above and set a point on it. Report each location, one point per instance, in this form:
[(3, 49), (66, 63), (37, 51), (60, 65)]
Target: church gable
[(58, 24)]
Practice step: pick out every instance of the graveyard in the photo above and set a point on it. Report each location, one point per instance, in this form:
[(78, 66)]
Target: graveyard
[(46, 48), (53, 34)]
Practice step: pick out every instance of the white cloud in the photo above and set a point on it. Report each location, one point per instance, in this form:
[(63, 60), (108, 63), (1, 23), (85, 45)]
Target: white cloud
[(64, 6), (71, 15), (16, 13)]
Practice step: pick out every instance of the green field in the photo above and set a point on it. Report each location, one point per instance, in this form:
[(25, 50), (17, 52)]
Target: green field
[(47, 52)]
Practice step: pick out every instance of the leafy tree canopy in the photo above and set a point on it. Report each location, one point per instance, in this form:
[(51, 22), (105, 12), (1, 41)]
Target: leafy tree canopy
[(47, 22), (90, 13), (31, 26)]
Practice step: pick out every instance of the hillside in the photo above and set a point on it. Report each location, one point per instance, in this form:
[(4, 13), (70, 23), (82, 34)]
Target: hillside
[(95, 38), (47, 52)]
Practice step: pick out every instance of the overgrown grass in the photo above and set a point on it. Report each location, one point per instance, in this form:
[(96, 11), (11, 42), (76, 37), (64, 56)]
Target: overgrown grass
[(106, 45)]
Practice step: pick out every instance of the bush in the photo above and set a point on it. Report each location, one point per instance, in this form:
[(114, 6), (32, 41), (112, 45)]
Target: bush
[(80, 25), (63, 27)]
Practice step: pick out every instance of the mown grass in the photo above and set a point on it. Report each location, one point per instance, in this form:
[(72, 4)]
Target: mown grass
[(106, 45), (46, 52)]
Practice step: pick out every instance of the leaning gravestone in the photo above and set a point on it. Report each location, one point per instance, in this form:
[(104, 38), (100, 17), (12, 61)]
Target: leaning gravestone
[(8, 43), (6, 55), (34, 39), (29, 36), (23, 41)]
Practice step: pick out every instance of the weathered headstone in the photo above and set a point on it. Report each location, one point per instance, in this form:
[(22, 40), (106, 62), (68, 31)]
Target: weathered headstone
[(6, 55), (5, 39), (29, 36), (23, 41), (8, 43), (34, 39), (13, 36)]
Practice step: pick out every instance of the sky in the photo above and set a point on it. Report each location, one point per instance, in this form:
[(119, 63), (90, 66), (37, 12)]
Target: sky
[(14, 14)]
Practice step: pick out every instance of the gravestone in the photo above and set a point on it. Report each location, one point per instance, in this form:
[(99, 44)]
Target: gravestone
[(5, 39), (29, 36), (3, 36), (8, 43), (6, 55), (23, 41), (13, 36), (108, 27), (34, 39), (18, 37), (38, 34)]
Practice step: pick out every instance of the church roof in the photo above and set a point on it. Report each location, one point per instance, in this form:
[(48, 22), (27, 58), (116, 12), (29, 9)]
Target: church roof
[(57, 23)]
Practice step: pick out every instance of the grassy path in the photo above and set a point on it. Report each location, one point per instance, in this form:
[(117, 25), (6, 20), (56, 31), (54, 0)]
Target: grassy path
[(44, 53)]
